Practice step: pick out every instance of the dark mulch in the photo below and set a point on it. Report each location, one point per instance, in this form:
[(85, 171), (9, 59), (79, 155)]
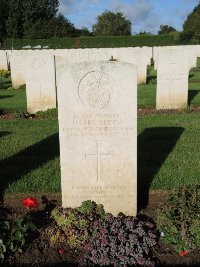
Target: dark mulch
[(41, 253)]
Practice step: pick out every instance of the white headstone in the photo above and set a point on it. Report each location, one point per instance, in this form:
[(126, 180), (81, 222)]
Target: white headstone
[(99, 54), (187, 50), (3, 60), (97, 106), (8, 53), (137, 56), (73, 56), (40, 82), (172, 80), (149, 53), (84, 55), (18, 67)]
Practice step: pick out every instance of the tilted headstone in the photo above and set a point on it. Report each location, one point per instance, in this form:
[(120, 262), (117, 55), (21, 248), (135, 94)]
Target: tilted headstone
[(172, 80), (40, 82), (3, 60), (97, 106)]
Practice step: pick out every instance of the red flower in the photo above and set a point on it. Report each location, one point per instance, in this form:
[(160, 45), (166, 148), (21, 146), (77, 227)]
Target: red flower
[(61, 251), (30, 202), (183, 253)]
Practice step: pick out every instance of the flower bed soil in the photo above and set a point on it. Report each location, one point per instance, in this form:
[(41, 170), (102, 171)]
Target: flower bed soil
[(41, 253)]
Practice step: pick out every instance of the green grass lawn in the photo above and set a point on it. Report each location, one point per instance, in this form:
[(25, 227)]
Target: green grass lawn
[(13, 100), (29, 156), (168, 150), (168, 153), (146, 95)]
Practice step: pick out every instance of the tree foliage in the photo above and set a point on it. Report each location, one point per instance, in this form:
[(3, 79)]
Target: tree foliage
[(191, 26), (4, 5), (37, 15), (112, 24), (14, 21), (144, 33), (35, 19), (166, 29), (26, 17)]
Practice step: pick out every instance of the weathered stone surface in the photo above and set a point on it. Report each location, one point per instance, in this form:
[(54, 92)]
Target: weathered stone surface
[(172, 80), (99, 54), (97, 106), (40, 82)]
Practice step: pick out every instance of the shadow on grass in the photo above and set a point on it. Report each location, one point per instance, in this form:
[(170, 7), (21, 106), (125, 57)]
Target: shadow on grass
[(31, 158), (5, 96), (3, 133), (191, 95), (151, 78), (191, 75), (154, 145), (7, 84)]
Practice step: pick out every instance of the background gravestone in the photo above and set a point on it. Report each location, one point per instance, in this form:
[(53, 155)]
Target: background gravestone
[(190, 51), (172, 80), (97, 106), (137, 56), (40, 82)]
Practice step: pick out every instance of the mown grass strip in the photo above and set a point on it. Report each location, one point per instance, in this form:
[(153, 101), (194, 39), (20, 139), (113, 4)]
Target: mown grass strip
[(168, 153)]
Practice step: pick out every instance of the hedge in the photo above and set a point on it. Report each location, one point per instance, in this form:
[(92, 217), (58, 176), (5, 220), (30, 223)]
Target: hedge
[(95, 42)]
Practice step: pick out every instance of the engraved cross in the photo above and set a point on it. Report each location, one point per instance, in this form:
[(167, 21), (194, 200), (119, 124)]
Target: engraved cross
[(98, 156)]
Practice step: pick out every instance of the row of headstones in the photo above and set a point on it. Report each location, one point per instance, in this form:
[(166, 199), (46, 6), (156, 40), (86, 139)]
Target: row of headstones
[(36, 68), (97, 112)]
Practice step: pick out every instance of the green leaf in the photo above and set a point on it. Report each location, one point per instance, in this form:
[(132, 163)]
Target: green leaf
[(18, 235)]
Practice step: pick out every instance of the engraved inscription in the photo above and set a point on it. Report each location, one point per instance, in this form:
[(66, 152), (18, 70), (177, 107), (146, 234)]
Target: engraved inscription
[(98, 125), (96, 89), (106, 192), (98, 156)]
